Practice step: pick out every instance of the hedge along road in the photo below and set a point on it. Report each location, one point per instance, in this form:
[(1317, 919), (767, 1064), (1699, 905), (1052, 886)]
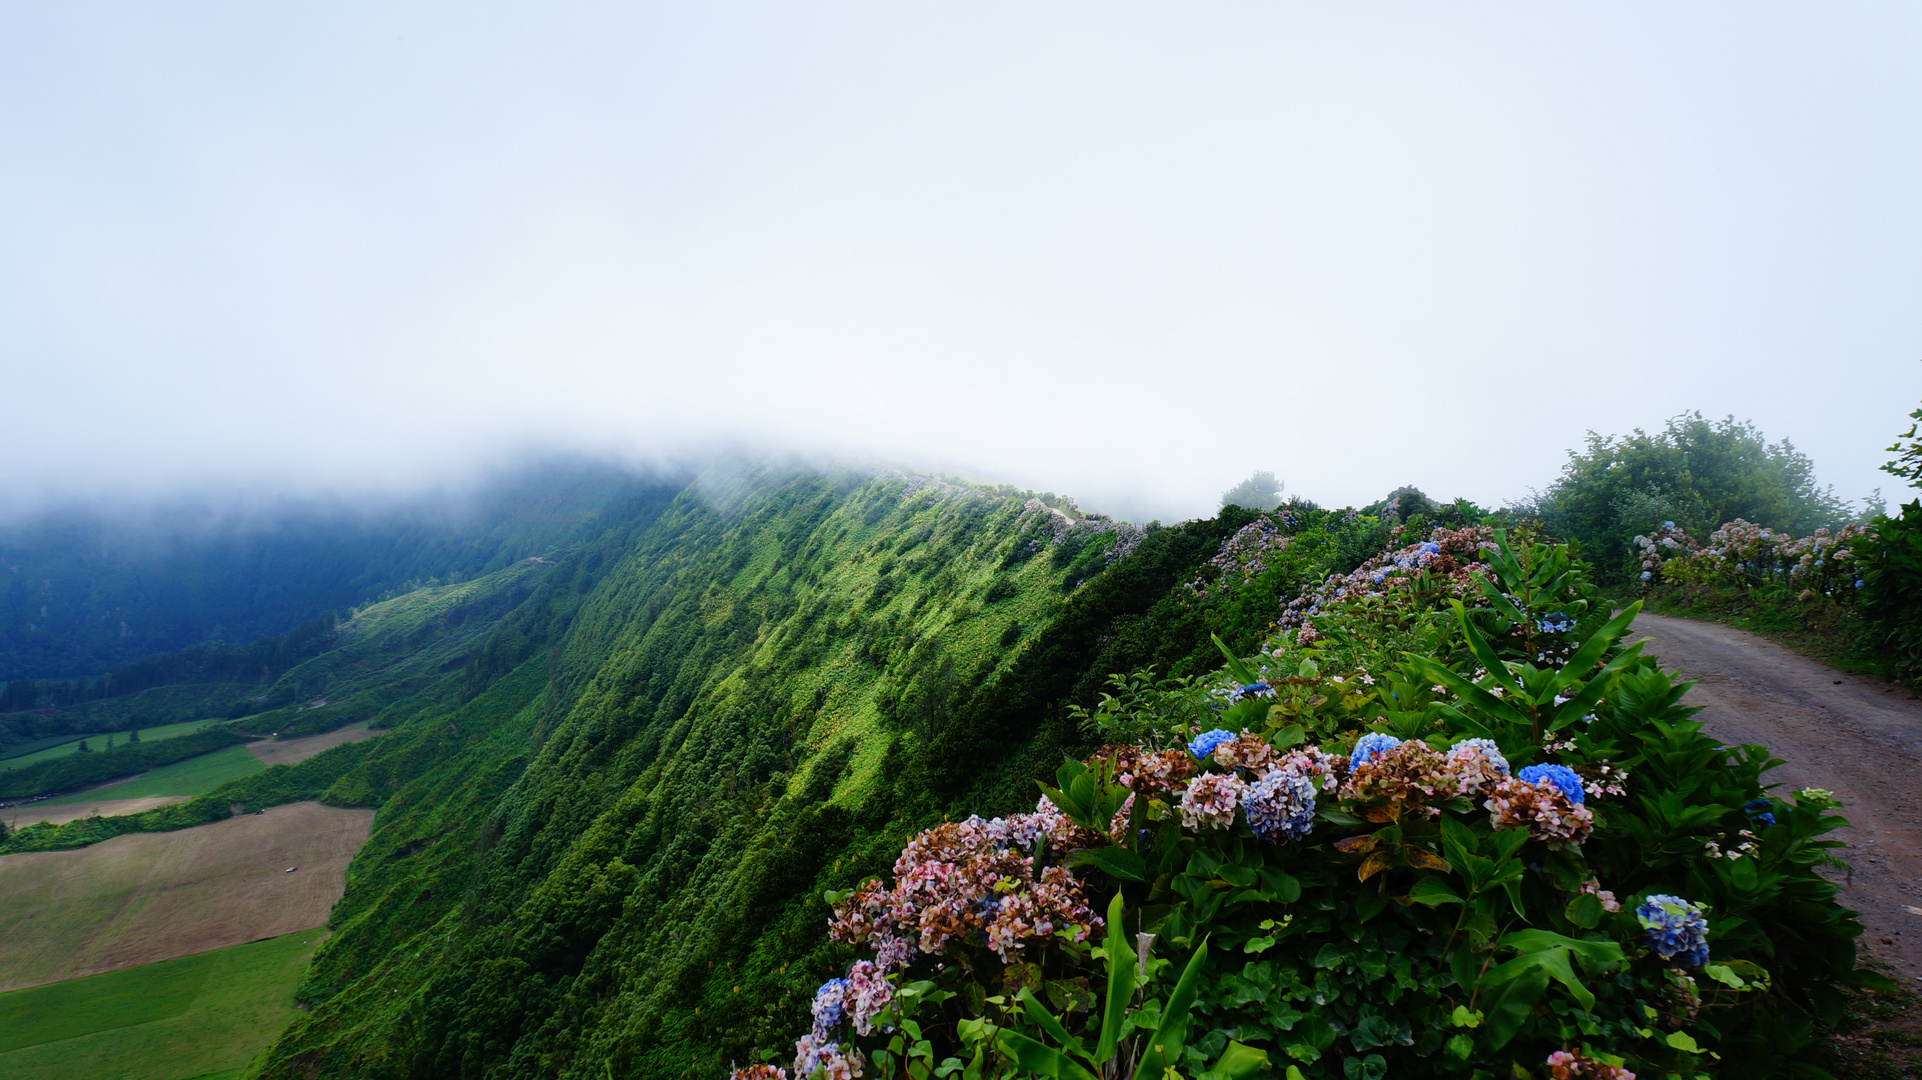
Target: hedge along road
[(1856, 736)]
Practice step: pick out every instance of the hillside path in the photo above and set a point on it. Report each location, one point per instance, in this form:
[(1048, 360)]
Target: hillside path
[(1856, 736)]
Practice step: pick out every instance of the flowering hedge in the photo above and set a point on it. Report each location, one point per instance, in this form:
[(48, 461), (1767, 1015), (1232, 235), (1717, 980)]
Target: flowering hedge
[(1746, 554), (1514, 853)]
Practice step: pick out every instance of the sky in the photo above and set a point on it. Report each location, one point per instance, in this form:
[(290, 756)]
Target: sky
[(1126, 251)]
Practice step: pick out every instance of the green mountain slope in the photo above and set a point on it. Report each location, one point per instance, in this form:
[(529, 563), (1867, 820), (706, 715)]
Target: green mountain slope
[(611, 857), (617, 780)]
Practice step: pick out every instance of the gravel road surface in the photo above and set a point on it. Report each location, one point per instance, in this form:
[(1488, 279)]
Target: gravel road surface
[(1856, 736)]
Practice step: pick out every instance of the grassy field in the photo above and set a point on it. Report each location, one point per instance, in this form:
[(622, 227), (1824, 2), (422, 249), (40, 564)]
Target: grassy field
[(147, 897), (194, 776), (98, 742), (201, 1016)]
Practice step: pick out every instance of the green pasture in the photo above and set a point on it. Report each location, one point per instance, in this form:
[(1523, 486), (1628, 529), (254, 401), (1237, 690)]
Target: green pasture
[(99, 742), (194, 776), (202, 1016)]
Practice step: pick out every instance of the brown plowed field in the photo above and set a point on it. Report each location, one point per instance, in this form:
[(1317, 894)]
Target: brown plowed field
[(61, 813), (273, 752), (148, 897)]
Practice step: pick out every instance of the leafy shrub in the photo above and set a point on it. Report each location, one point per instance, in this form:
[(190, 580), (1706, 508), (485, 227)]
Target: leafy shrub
[(1512, 851)]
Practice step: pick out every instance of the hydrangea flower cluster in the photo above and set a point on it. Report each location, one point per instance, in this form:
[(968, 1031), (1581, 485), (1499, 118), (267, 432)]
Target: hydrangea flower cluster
[(1742, 552), (1210, 800), (1566, 780), (840, 1063), (1543, 808), (1400, 772), (1205, 743), (1280, 806), (1594, 888), (1453, 558), (1246, 555), (1476, 763), (1572, 1065), (758, 1072), (1666, 543), (1676, 929), (1370, 745), (1761, 810), (971, 880)]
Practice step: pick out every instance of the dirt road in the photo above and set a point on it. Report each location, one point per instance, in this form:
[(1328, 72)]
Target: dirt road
[(1858, 737)]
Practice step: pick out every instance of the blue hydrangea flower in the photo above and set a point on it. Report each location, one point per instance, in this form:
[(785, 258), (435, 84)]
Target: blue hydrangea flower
[(830, 1001), (1429, 547), (1647, 575), (1556, 623), (1280, 806), (1206, 742), (1489, 751), (1676, 929), (1369, 747), (1668, 524), (1565, 779), (1858, 584), (1258, 688), (1761, 810)]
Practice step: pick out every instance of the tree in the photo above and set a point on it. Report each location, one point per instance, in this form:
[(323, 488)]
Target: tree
[(1695, 472), (1259, 492)]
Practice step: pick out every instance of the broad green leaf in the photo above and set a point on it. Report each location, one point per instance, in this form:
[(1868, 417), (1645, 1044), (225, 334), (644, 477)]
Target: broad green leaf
[(1116, 861), (1432, 891), (1236, 667), (1121, 983), (1039, 1058), (1239, 1062), (1512, 1007), (1165, 1045), (1046, 1022)]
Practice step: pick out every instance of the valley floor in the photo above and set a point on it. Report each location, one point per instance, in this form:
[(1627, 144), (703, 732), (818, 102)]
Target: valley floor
[(147, 897)]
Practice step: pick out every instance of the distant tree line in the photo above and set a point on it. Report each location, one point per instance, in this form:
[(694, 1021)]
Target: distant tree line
[(213, 662)]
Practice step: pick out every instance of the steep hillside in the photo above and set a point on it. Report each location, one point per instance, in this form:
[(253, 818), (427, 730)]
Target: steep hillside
[(616, 781), (611, 858)]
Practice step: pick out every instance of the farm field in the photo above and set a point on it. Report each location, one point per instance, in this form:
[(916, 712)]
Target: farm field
[(148, 897), (200, 1016), (74, 809), (193, 776), (294, 751), (69, 746)]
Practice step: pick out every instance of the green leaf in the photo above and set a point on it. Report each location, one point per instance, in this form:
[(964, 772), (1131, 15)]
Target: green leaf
[(1121, 983), (1584, 911), (1046, 1022), (1039, 1058), (1115, 861), (1725, 975), (1239, 670), (1287, 735), (1239, 1062), (1512, 1007), (1682, 1040), (1164, 1047), (1433, 891)]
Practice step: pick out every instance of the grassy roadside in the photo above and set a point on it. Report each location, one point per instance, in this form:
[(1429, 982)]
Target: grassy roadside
[(1819, 628)]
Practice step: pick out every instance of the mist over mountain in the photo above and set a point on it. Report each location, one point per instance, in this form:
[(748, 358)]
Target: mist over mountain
[(92, 586)]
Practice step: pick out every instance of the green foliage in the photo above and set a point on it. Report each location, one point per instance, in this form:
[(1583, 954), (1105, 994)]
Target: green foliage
[(1891, 600), (1695, 472), (1907, 463), (1413, 930)]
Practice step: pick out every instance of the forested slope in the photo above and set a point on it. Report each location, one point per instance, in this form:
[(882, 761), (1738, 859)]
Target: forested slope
[(610, 856)]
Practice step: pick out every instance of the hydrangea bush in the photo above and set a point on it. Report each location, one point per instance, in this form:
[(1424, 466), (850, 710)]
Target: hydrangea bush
[(1743, 553), (1514, 854)]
